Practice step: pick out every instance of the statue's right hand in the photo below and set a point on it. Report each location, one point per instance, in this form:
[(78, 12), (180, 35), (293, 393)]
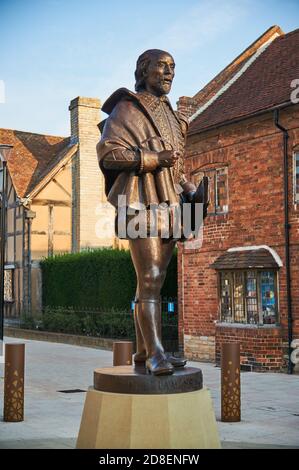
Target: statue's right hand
[(168, 158)]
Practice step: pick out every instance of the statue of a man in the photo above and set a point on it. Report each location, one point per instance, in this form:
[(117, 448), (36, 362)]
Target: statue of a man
[(141, 156)]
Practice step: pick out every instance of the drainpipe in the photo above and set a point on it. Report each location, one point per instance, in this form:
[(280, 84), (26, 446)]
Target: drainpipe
[(287, 236)]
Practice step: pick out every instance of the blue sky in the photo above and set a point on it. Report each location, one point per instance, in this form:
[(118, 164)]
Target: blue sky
[(54, 50)]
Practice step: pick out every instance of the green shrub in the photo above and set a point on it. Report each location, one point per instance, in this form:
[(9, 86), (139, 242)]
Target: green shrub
[(27, 322), (103, 278), (116, 324), (62, 322), (109, 324)]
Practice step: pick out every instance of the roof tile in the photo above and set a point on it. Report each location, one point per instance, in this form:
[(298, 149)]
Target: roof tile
[(33, 156), (256, 258)]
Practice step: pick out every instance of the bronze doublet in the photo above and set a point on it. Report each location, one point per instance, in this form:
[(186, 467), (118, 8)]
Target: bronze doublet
[(139, 126), (169, 126)]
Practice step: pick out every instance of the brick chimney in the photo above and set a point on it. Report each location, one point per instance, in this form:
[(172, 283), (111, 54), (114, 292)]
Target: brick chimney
[(87, 179), (187, 105)]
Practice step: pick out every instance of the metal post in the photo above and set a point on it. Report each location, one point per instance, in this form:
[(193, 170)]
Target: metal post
[(14, 382), (230, 383), (122, 353)]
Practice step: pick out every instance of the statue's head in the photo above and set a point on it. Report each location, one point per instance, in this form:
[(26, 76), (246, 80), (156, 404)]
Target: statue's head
[(154, 72)]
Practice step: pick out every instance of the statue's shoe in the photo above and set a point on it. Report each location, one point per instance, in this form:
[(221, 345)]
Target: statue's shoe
[(140, 359), (158, 365), (176, 361)]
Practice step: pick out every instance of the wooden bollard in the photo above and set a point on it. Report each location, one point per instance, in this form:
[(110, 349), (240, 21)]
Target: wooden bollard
[(230, 383), (14, 382), (122, 353)]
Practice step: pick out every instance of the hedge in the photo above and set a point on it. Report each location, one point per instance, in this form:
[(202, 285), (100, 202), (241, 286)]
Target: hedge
[(103, 278), (117, 324)]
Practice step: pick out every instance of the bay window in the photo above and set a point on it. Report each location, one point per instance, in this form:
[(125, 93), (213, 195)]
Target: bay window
[(249, 296)]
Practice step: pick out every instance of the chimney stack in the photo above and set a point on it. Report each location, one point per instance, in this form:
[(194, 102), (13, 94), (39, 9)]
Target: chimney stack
[(87, 179)]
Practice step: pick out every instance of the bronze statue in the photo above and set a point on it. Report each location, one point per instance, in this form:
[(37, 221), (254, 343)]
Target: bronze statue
[(141, 156)]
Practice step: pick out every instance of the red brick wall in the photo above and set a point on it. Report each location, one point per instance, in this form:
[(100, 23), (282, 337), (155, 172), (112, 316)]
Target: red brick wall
[(253, 152), (261, 348)]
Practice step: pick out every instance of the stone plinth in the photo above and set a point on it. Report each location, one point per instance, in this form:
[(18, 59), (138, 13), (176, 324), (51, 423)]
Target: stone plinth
[(162, 419)]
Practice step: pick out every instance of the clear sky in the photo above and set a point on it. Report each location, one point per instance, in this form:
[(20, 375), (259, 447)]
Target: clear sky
[(54, 50)]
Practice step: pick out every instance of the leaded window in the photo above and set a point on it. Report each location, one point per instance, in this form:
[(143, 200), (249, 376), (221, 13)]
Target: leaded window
[(218, 181), (8, 285), (249, 296)]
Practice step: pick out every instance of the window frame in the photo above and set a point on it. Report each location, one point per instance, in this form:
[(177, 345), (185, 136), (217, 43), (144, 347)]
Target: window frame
[(214, 170), (230, 273)]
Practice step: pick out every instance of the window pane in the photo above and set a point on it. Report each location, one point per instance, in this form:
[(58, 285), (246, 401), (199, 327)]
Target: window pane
[(251, 297), (268, 297), (221, 190), (211, 174), (226, 304), (218, 188), (239, 298), (197, 177), (8, 285)]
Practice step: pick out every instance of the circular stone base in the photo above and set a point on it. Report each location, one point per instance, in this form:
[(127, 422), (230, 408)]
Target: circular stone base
[(136, 380)]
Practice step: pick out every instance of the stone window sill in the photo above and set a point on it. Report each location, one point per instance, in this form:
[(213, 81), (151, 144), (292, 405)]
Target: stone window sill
[(245, 325)]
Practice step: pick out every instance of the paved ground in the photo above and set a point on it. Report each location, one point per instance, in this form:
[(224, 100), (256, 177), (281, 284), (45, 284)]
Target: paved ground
[(270, 402)]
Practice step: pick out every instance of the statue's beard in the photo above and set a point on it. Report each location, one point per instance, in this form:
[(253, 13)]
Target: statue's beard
[(164, 87)]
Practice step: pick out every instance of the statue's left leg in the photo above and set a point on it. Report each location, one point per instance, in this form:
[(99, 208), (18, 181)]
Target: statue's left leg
[(165, 249), (151, 258), (148, 261)]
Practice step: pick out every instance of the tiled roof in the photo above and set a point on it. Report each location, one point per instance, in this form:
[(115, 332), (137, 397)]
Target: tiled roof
[(256, 258), (263, 85), (225, 75), (32, 158), (189, 105)]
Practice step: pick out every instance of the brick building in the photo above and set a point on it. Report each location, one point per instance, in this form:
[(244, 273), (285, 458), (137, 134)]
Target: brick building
[(243, 283), (53, 190)]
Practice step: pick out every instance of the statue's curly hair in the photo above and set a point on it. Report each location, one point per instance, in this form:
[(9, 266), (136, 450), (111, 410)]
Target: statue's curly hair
[(142, 64)]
